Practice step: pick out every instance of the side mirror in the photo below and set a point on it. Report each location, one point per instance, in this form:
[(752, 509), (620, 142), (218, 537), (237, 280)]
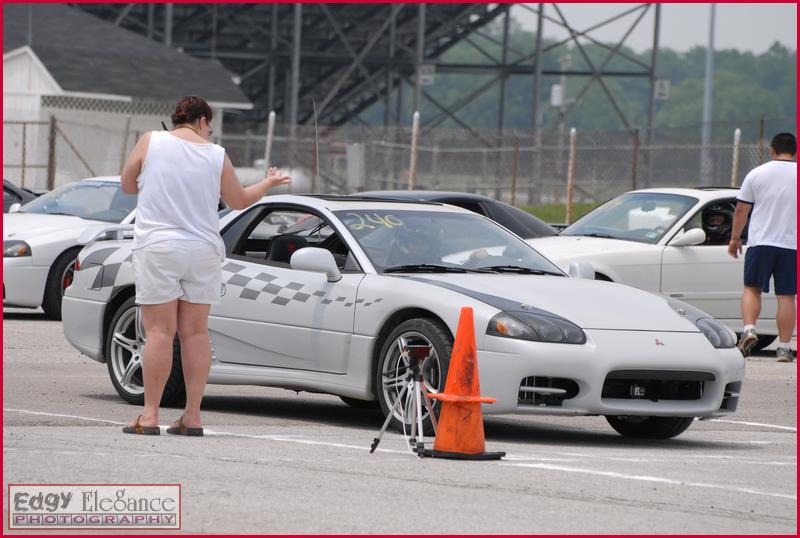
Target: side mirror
[(14, 208), (316, 260), (581, 270), (695, 236)]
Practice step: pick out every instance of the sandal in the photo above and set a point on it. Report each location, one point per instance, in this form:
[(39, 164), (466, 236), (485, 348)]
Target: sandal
[(138, 429), (182, 429)]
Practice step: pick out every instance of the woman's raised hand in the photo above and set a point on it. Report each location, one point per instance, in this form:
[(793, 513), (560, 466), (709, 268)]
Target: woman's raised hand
[(275, 177)]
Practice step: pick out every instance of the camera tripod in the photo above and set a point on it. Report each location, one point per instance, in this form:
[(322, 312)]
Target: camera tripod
[(417, 397)]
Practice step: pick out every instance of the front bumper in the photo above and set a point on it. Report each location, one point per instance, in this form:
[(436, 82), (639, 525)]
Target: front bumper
[(506, 363), (23, 282), (83, 325)]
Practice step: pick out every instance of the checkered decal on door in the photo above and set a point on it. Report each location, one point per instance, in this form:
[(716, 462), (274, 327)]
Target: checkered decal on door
[(254, 283), (107, 262), (259, 285)]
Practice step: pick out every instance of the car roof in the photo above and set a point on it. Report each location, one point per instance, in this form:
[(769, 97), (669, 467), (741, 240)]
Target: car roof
[(343, 203), (420, 194), (704, 194)]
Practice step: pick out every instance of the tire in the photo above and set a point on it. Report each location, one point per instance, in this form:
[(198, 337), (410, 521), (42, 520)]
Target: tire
[(360, 404), (124, 343), (763, 342), (390, 372), (58, 279), (649, 427)]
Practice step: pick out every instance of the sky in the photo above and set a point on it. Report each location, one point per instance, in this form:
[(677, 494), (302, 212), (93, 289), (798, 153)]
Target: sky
[(747, 27)]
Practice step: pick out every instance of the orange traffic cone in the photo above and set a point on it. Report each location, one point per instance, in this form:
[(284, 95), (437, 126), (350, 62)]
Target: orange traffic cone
[(459, 434)]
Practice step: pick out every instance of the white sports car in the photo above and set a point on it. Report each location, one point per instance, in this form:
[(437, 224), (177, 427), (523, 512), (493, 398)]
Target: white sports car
[(669, 241), (334, 294), (40, 240)]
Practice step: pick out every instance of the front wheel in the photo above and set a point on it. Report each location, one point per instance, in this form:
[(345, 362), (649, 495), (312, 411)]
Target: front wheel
[(359, 404), (124, 352), (649, 427), (58, 280), (430, 343)]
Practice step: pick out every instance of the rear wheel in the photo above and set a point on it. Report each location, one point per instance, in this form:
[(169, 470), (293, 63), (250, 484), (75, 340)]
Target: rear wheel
[(360, 404), (649, 427), (59, 279), (124, 350), (430, 342), (763, 342)]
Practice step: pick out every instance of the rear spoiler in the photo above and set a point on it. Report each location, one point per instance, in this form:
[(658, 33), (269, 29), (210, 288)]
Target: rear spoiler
[(116, 231)]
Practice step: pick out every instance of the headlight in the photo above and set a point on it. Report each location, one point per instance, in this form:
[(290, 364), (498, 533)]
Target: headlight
[(718, 334), (535, 327), (16, 249)]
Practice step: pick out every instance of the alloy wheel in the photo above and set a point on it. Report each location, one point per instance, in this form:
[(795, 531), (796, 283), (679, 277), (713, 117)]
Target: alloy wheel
[(127, 349), (395, 372)]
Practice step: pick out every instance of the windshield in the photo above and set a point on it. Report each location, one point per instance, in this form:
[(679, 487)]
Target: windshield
[(642, 216), (95, 200), (398, 240)]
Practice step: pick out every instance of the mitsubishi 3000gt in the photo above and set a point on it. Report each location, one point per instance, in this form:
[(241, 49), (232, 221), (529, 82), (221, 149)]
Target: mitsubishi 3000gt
[(335, 294)]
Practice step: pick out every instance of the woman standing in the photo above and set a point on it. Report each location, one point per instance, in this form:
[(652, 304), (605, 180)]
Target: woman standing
[(177, 251)]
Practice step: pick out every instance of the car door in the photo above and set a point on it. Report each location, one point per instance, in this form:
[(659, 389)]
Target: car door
[(705, 275), (272, 315)]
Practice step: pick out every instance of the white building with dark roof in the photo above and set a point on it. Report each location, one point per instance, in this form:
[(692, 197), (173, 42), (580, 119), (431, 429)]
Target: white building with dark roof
[(104, 85)]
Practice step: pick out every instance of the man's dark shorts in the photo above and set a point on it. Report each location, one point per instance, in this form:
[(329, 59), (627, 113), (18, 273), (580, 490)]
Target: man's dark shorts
[(764, 261)]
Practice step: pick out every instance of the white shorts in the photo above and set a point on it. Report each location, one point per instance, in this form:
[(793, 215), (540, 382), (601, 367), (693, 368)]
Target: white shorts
[(187, 270)]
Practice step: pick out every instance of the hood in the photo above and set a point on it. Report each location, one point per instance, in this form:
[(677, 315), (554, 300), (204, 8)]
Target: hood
[(27, 226), (560, 248), (591, 304)]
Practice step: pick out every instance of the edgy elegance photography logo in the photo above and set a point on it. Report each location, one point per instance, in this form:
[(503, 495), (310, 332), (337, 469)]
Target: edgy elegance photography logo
[(94, 506)]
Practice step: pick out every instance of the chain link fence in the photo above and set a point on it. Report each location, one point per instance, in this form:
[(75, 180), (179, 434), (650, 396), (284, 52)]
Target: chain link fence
[(508, 165), (41, 155)]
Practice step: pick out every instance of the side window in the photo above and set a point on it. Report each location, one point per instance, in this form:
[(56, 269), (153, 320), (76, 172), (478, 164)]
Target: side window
[(518, 221), (716, 220), (9, 199), (272, 236), (232, 234)]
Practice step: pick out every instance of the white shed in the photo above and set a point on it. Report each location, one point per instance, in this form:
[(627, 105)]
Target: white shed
[(103, 86)]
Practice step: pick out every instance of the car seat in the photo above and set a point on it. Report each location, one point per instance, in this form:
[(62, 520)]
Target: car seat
[(283, 246)]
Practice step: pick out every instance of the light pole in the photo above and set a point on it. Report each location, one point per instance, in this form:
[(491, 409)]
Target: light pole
[(706, 165)]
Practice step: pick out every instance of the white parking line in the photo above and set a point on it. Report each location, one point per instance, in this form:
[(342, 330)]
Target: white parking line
[(78, 417), (288, 438), (215, 433), (645, 478), (787, 428), (575, 457)]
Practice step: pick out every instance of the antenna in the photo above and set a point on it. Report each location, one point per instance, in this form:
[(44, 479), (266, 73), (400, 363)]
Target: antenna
[(315, 169)]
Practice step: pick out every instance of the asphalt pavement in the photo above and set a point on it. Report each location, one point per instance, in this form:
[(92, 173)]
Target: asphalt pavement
[(274, 461)]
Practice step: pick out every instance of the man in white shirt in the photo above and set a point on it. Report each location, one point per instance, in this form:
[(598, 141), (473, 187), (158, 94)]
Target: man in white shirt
[(770, 191)]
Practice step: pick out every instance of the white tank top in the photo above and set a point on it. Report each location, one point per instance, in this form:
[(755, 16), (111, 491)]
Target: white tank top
[(179, 189)]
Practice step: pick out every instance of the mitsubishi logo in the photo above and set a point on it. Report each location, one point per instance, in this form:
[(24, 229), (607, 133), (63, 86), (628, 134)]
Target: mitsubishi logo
[(659, 342)]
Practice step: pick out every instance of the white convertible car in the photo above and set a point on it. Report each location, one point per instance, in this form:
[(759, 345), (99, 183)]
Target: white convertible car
[(669, 241), (334, 294), (40, 240)]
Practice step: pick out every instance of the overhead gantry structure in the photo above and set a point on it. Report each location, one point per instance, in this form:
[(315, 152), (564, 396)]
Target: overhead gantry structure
[(347, 58)]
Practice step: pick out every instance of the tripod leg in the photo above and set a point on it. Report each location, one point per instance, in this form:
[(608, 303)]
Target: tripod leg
[(410, 408), (429, 407), (395, 406), (418, 405)]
